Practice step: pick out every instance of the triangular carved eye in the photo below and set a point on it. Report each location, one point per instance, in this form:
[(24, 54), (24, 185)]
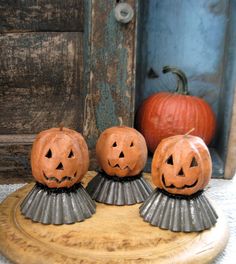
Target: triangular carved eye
[(170, 160), (193, 162), (71, 154), (114, 144), (132, 144), (49, 154)]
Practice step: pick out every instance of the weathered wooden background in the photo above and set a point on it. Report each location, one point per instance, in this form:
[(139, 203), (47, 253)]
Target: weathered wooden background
[(61, 61), (72, 62)]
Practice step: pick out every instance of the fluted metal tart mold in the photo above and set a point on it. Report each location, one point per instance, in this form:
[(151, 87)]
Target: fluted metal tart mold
[(178, 213), (119, 191), (58, 206)]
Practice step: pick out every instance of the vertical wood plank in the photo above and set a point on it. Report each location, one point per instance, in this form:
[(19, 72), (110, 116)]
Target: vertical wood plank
[(230, 165), (110, 92), (227, 142)]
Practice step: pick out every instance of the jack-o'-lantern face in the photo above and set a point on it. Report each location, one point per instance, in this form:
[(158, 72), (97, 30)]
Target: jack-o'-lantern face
[(181, 165), (59, 158), (121, 151)]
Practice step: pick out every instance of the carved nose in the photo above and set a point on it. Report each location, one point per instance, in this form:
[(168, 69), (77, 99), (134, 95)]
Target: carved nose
[(121, 155), (181, 173), (60, 167)]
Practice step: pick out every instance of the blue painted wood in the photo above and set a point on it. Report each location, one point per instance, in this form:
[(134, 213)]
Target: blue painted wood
[(189, 34), (229, 84), (109, 70), (199, 38)]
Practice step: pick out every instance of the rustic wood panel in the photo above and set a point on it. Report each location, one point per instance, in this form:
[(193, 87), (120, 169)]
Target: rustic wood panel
[(15, 158), (110, 74), (40, 81), (41, 15), (40, 84)]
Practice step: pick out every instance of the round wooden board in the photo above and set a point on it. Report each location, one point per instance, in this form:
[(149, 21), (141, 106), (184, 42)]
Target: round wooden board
[(115, 234)]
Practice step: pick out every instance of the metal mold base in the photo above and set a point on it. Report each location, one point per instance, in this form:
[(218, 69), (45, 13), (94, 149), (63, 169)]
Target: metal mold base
[(119, 191), (51, 206), (178, 214)]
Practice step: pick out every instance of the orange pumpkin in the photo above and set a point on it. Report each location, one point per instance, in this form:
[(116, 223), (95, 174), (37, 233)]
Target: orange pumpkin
[(167, 114), (59, 157), (181, 165), (121, 151)]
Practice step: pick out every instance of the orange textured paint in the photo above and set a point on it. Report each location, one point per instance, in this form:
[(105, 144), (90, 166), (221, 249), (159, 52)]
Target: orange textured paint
[(181, 165), (121, 151), (59, 157)]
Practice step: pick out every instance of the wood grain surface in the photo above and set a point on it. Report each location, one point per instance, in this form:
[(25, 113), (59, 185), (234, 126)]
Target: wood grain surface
[(113, 235), (41, 15), (62, 61), (39, 83)]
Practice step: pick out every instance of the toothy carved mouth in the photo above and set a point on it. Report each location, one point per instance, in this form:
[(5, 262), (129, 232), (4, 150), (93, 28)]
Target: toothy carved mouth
[(179, 188), (65, 178), (118, 166)]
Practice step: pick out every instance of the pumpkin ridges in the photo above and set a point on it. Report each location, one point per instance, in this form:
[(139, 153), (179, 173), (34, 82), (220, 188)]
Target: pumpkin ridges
[(196, 113), (161, 99), (209, 122), (193, 106), (204, 118), (187, 111), (151, 139), (180, 108), (191, 112), (211, 126)]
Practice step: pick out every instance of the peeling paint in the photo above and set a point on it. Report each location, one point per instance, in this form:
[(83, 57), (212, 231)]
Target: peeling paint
[(105, 112)]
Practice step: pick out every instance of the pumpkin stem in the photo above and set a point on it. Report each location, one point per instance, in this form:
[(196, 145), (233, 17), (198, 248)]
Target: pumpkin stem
[(191, 130), (61, 126), (182, 81)]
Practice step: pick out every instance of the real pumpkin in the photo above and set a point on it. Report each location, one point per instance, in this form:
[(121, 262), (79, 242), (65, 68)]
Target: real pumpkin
[(59, 157), (181, 165), (167, 114)]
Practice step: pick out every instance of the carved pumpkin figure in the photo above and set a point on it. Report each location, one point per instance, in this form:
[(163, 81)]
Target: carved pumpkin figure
[(59, 157), (181, 168), (121, 151), (181, 165)]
